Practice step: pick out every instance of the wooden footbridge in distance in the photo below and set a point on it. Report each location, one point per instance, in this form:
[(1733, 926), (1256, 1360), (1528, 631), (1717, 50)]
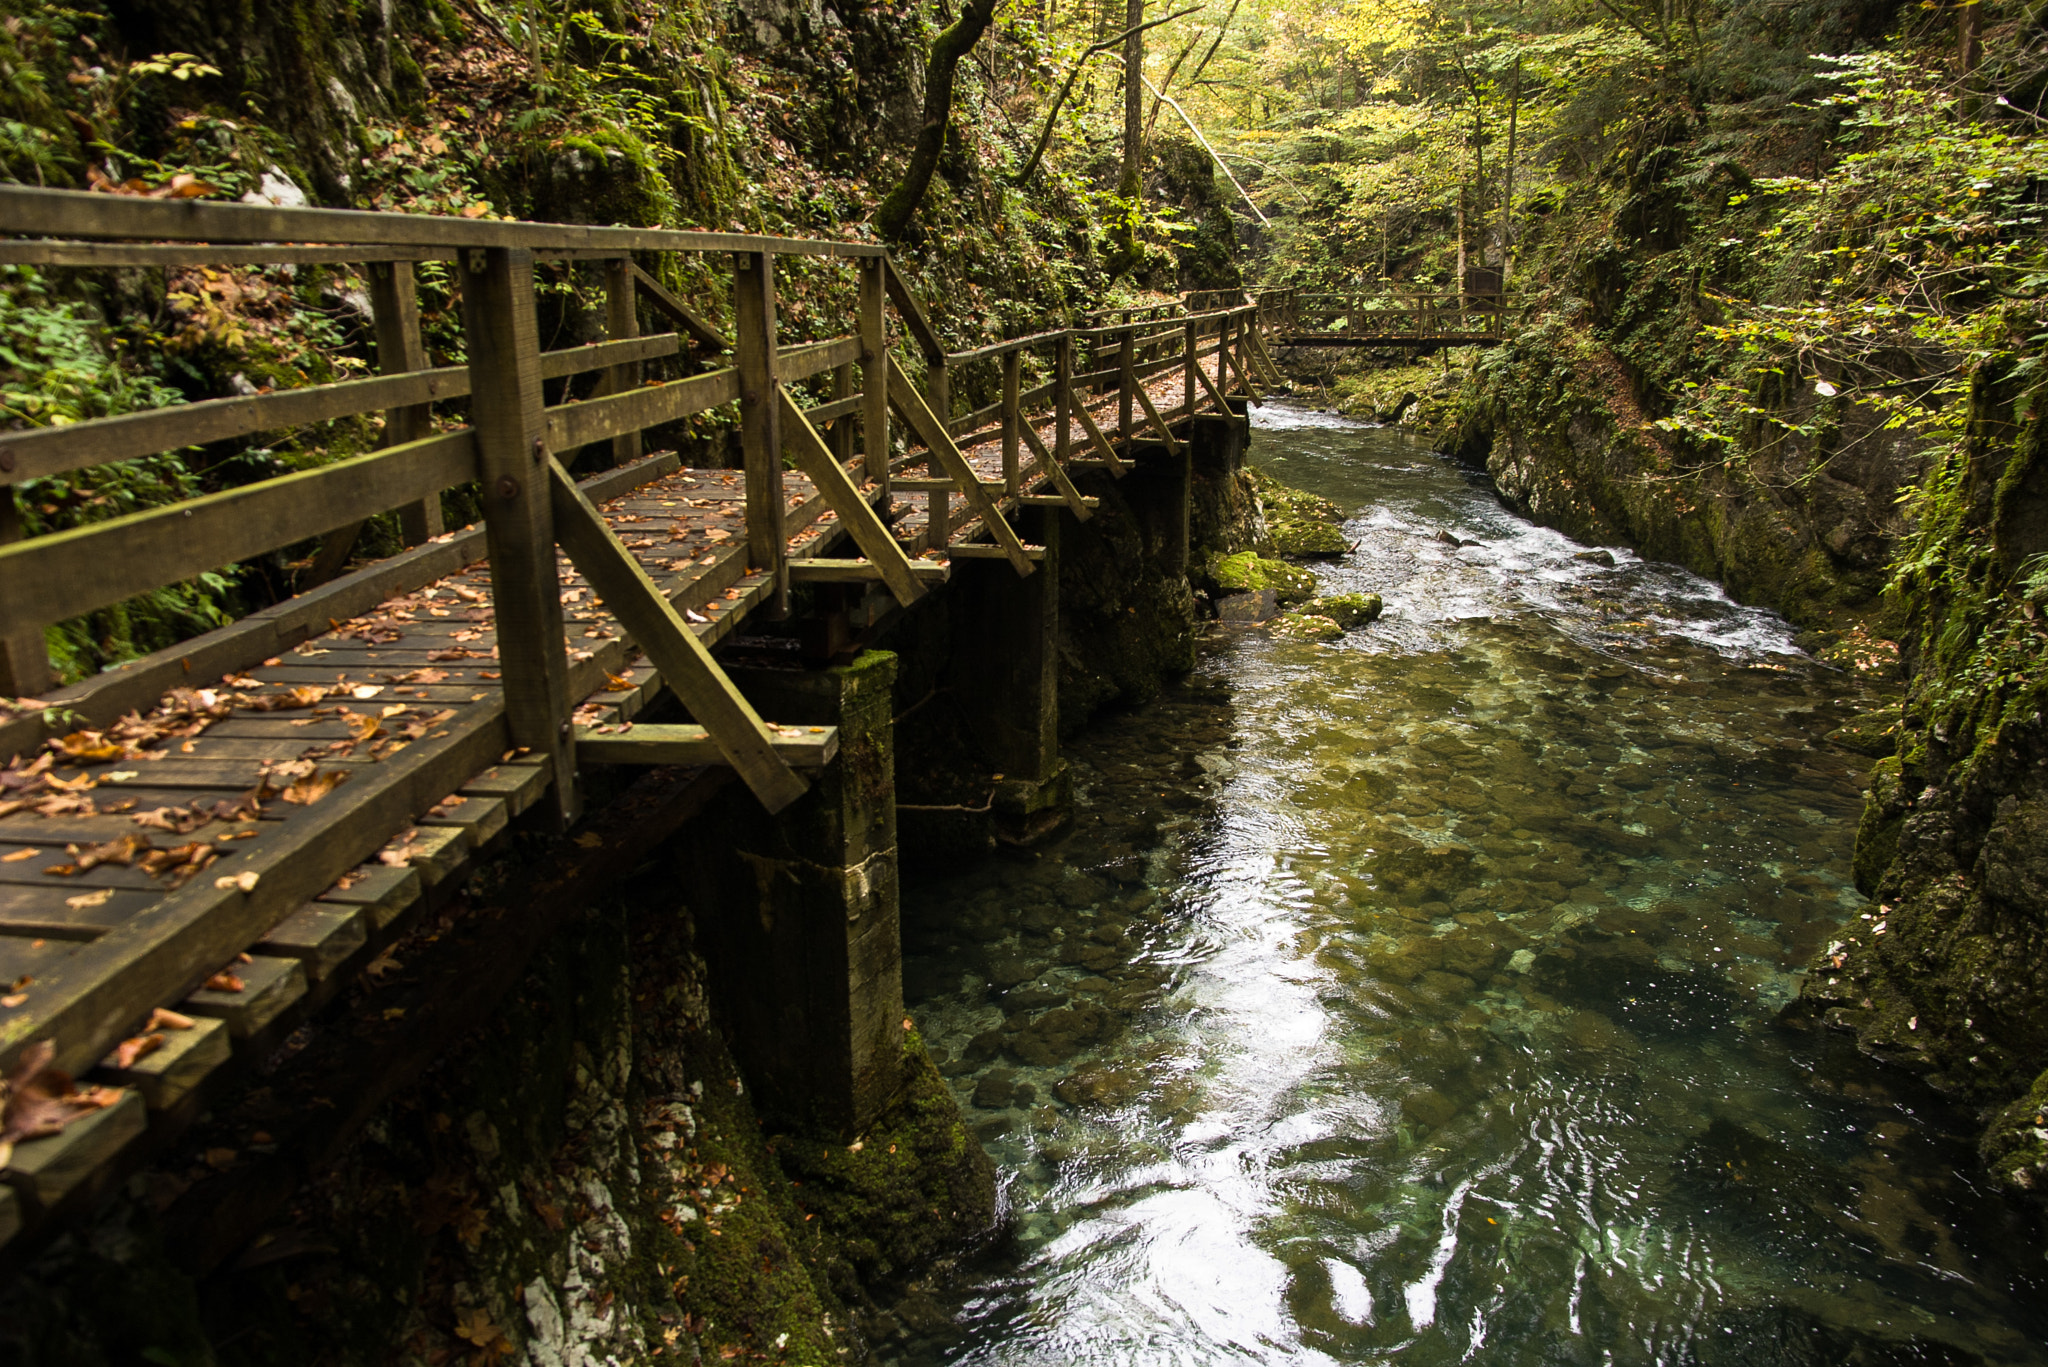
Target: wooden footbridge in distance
[(1414, 320), (228, 829)]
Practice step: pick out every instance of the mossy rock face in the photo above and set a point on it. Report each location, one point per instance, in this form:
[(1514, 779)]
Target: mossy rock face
[(914, 1186), (1875, 734), (1347, 610), (1248, 572), (1310, 540), (1301, 523), (1305, 626), (2015, 1144)]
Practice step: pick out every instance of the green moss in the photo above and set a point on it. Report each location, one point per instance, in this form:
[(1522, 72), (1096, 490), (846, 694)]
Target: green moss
[(915, 1186), (2015, 1144), (1347, 610), (1305, 626), (1877, 833), (1248, 572)]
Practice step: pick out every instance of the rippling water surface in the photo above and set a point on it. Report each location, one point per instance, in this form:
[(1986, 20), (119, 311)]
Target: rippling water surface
[(1410, 999)]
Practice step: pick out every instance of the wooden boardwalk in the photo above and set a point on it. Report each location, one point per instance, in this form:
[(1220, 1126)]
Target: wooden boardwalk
[(1405, 319), (224, 831)]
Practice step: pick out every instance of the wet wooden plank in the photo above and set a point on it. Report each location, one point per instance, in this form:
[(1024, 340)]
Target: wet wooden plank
[(322, 938), (65, 912), (270, 986), (184, 1061), (383, 891), (45, 1171)]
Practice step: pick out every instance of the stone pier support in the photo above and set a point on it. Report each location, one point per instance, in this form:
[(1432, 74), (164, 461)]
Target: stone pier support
[(1005, 680), (800, 926)]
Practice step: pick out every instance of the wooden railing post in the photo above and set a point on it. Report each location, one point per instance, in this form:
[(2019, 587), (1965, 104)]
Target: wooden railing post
[(1062, 396), (842, 428), (1126, 384), (874, 373), (1191, 343), (1013, 474), (622, 320), (394, 299), (761, 421), (24, 659), (512, 473), (938, 504)]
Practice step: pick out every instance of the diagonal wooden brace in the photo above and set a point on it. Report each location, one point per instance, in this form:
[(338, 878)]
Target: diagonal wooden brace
[(1173, 443), (685, 317), (856, 514), (939, 442), (1075, 501), (1095, 437), (1202, 374), (674, 649)]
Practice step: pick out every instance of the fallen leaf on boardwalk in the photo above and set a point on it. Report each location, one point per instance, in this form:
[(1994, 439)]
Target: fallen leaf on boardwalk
[(224, 981), (306, 695), (38, 1100), (18, 856), (163, 1018), (87, 747), (381, 965), (452, 653), (617, 683), (121, 851), (362, 726), (718, 534), (393, 709), (10, 1001), (399, 852), (89, 899), (245, 880), (365, 692), (136, 1047), (308, 791)]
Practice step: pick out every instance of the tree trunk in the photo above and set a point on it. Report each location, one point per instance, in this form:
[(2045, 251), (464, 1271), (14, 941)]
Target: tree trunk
[(953, 43), (1507, 185), (1132, 183)]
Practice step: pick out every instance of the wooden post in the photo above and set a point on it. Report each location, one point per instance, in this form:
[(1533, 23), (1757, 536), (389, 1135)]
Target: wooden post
[(842, 428), (874, 373), (512, 473), (24, 659), (622, 320), (938, 504), (1190, 344), (1126, 381), (1062, 396), (761, 421), (1013, 474), (394, 299)]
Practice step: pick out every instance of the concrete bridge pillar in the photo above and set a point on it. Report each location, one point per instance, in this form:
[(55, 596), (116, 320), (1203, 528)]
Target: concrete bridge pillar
[(1005, 679), (800, 925)]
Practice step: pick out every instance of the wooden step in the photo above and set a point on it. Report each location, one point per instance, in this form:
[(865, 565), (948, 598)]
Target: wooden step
[(972, 550), (320, 937), (824, 571), (269, 987), (383, 891), (184, 1060), (44, 1171), (801, 747)]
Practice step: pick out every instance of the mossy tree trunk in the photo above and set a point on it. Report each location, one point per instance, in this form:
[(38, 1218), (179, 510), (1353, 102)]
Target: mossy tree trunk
[(953, 43)]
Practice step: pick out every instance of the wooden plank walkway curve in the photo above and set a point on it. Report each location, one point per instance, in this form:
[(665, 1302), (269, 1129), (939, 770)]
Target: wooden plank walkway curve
[(220, 830)]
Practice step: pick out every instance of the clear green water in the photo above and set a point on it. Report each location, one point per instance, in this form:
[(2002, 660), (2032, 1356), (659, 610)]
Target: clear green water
[(1411, 999)]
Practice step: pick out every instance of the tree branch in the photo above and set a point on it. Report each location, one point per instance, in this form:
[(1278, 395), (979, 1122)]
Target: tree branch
[(1074, 73)]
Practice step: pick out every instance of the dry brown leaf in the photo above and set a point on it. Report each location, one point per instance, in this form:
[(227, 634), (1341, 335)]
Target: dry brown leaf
[(245, 881), (38, 1100), (307, 791), (136, 1047), (163, 1018), (224, 981), (18, 856), (89, 899)]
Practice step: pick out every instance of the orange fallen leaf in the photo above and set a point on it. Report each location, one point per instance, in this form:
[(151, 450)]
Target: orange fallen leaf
[(307, 791), (18, 856), (136, 1047), (224, 981), (165, 1019), (245, 880)]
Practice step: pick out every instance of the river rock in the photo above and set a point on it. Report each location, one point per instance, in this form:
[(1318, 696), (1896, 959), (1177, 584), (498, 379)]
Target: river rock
[(1096, 1085), (1302, 626), (1005, 971), (1058, 1035), (1248, 572), (1604, 559), (1347, 610), (1247, 609)]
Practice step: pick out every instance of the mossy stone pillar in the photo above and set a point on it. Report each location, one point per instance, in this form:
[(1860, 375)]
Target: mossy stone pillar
[(1005, 678), (801, 932)]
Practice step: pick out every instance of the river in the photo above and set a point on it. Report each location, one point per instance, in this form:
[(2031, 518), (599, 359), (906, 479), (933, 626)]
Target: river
[(1412, 999)]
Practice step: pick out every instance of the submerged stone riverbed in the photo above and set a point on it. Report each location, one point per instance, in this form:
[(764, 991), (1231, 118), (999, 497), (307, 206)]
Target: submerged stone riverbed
[(1412, 999)]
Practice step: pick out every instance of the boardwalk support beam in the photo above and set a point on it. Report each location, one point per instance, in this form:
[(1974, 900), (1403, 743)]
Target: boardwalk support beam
[(799, 918)]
